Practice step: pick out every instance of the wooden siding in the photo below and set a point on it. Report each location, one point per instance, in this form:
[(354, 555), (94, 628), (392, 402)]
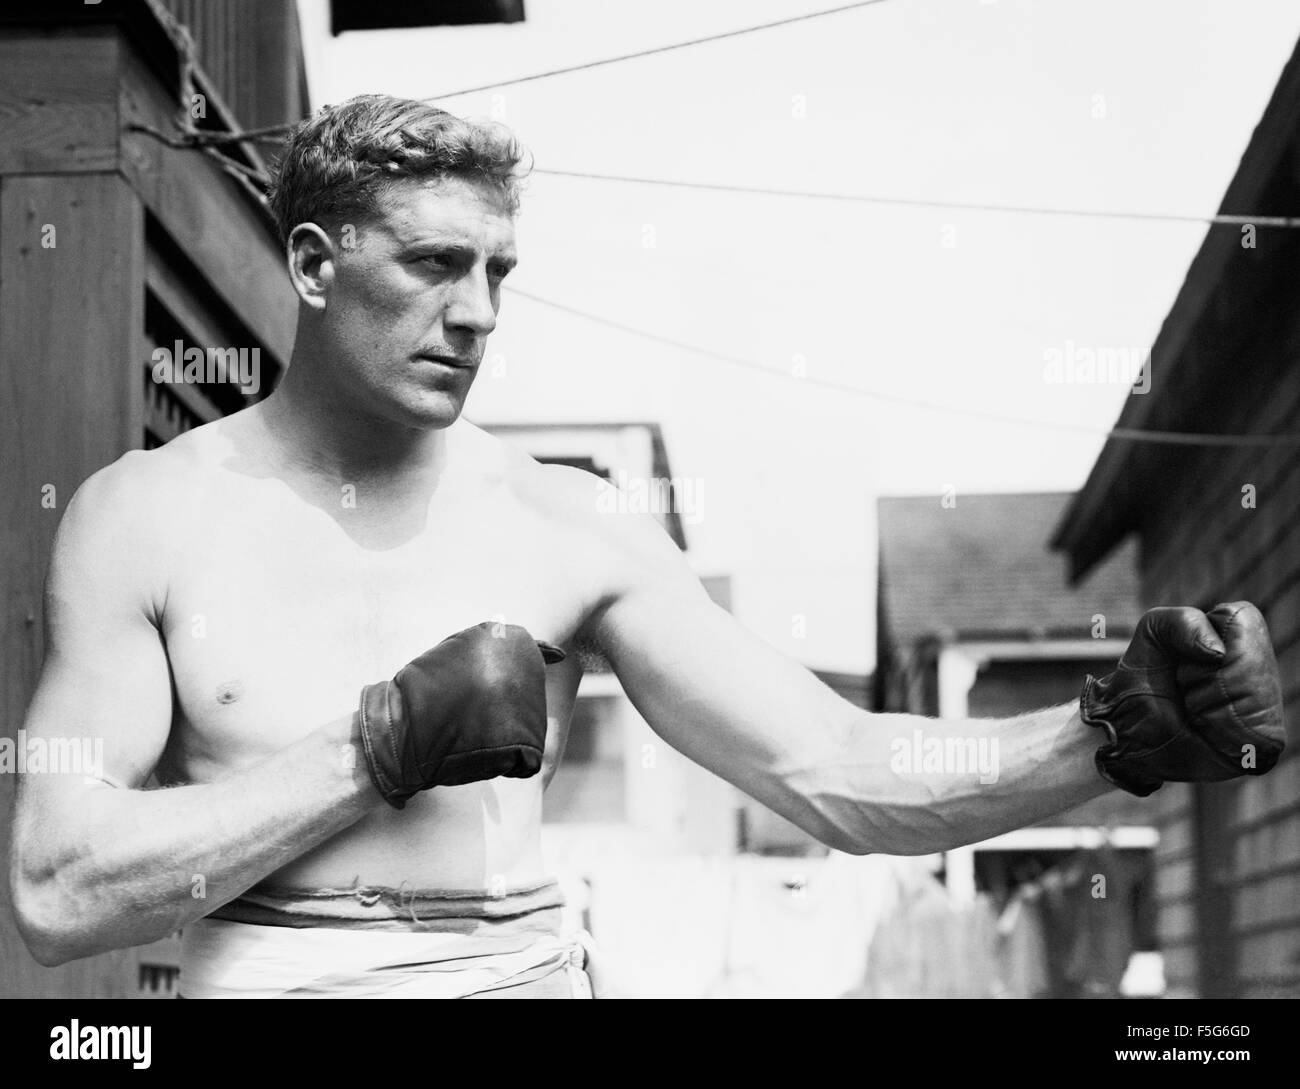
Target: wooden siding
[(152, 244), (1230, 853)]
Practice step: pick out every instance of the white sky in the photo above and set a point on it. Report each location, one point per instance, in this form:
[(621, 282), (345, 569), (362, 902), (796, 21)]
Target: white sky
[(963, 100)]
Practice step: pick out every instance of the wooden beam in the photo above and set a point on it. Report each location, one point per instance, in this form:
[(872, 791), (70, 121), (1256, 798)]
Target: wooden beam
[(58, 100), (171, 291), (207, 216), (71, 95)]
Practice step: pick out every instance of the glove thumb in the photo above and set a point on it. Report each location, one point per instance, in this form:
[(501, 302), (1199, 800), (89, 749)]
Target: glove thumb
[(551, 654)]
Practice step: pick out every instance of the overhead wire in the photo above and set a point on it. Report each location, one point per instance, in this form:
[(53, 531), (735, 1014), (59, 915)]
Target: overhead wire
[(275, 131), (1178, 438), (1232, 219)]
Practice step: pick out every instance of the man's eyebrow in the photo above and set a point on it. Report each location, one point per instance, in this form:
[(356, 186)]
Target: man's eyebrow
[(459, 246), (439, 241)]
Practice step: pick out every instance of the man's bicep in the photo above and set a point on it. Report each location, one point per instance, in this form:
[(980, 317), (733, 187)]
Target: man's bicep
[(709, 687), (110, 702), (105, 686)]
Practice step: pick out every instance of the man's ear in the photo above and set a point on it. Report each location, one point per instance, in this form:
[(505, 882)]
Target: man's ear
[(311, 256)]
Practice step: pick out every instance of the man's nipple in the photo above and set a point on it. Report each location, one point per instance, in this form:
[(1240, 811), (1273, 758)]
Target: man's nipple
[(229, 691)]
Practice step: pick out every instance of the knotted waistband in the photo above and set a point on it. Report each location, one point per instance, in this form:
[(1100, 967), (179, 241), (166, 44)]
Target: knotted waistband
[(372, 941), (374, 907)]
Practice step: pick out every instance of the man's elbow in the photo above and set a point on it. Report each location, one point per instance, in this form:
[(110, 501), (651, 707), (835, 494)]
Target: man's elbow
[(827, 809), (886, 839), (847, 841), (825, 822), (48, 928), (850, 845), (44, 938), (854, 830), (45, 950)]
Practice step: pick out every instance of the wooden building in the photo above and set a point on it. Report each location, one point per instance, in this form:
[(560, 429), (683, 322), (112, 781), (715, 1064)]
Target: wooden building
[(1221, 523), (113, 243)]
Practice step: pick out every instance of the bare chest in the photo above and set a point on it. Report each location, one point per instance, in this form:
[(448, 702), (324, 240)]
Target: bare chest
[(277, 613)]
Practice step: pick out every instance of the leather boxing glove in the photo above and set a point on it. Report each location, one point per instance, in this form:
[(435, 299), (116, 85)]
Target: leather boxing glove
[(1195, 698), (472, 708)]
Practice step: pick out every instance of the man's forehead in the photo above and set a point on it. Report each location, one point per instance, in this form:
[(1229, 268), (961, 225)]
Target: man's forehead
[(451, 210)]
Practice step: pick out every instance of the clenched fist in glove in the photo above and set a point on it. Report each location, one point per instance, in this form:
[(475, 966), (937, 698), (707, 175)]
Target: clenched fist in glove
[(472, 708), (1195, 698)]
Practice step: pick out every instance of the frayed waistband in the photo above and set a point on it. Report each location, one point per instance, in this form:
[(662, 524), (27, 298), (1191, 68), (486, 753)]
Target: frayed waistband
[(376, 907)]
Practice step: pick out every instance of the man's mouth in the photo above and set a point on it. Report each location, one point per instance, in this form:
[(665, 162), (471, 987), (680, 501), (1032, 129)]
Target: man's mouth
[(459, 362)]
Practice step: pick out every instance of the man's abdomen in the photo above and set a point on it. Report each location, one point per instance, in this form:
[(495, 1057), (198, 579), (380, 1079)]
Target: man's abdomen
[(482, 836)]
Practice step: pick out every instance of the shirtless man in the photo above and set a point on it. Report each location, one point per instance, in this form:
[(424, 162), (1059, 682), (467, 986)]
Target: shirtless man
[(216, 607)]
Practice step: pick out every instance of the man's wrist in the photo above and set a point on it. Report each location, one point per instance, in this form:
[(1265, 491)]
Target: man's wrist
[(346, 759), (1097, 708)]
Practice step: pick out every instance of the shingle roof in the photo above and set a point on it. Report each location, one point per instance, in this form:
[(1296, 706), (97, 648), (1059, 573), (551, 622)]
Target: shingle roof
[(982, 569)]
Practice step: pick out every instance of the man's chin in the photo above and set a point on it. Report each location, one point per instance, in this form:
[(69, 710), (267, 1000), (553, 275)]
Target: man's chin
[(429, 411)]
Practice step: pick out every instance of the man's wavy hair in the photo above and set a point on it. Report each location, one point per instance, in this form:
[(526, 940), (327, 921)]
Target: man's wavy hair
[(338, 163)]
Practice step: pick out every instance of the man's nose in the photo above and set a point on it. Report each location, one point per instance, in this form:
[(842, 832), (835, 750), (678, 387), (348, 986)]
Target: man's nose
[(470, 306)]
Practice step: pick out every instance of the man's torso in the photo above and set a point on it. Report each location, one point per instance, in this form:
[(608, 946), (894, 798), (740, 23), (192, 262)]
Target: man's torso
[(279, 606)]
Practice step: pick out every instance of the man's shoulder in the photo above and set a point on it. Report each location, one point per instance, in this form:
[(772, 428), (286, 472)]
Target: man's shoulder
[(585, 508), (140, 487), (144, 477), (559, 492)]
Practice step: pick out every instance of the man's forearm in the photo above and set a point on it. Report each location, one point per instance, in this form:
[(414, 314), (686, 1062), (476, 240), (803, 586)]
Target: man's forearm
[(907, 785), (120, 867)]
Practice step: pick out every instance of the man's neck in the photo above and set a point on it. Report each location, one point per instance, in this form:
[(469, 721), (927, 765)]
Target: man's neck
[(320, 430)]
